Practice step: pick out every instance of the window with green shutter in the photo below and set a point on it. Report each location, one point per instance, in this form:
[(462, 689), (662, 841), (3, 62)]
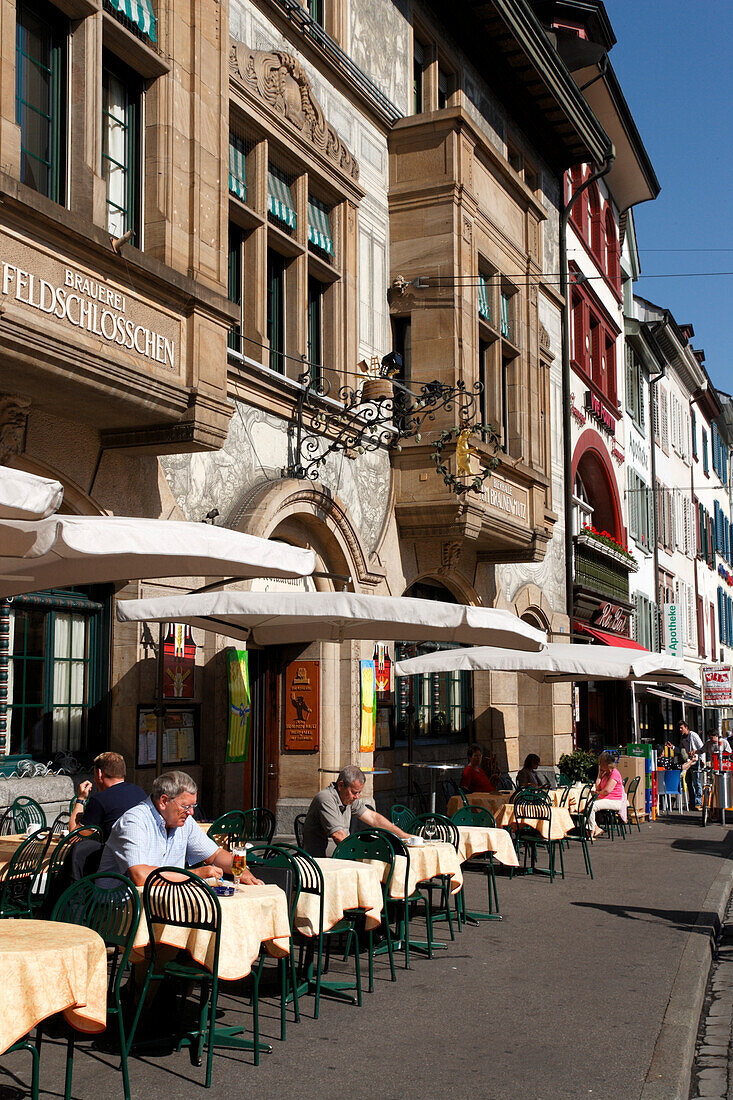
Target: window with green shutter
[(319, 229), (137, 15), (484, 308), (279, 199), (40, 97), (237, 174)]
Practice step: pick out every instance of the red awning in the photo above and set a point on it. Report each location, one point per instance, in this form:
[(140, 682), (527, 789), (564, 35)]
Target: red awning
[(605, 637)]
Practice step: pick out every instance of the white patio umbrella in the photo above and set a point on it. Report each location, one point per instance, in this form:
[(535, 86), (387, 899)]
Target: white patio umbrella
[(70, 550), (270, 618), (557, 663), (27, 496)]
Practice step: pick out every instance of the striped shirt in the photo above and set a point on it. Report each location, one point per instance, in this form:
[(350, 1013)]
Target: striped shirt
[(141, 836)]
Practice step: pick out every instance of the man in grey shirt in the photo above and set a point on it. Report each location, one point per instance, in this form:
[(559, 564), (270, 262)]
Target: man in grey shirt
[(330, 813)]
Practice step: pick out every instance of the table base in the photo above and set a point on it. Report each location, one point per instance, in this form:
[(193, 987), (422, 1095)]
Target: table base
[(472, 917)]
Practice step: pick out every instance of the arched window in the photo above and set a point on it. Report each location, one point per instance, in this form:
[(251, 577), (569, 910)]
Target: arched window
[(595, 230), (582, 507), (612, 249)]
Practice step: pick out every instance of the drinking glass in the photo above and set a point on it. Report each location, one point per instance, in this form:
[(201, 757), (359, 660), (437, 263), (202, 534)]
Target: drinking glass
[(239, 862), (430, 831)]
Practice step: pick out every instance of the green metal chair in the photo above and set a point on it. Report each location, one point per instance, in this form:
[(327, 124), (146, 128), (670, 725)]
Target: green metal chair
[(53, 881), (19, 894), (259, 825), (401, 936), (228, 829), (266, 861), (581, 833), (404, 817), (483, 819), (534, 794), (373, 844), (563, 780), (26, 811), (631, 798), (298, 823), (26, 1044), (529, 836), (7, 825), (109, 904), (179, 898), (563, 800), (442, 828)]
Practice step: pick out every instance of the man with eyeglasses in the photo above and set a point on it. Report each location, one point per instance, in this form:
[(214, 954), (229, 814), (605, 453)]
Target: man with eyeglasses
[(161, 832)]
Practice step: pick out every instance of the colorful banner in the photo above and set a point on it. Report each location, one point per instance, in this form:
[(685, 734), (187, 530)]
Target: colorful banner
[(179, 662), (717, 685), (240, 704), (368, 706)]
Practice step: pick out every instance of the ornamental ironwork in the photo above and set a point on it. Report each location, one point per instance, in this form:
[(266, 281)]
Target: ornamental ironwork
[(380, 413)]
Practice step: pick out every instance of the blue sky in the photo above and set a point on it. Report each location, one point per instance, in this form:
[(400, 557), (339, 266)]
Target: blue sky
[(674, 61)]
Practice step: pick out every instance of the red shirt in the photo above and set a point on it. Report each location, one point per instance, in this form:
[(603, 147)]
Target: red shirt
[(475, 779)]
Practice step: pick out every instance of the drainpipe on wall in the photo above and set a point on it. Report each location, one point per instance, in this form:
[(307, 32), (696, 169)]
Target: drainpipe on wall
[(566, 421)]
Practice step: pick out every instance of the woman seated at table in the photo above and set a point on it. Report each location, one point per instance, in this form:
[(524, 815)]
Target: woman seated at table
[(527, 776), (609, 789), (473, 776)]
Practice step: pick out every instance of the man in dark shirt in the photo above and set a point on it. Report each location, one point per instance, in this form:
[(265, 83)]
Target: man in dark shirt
[(111, 799)]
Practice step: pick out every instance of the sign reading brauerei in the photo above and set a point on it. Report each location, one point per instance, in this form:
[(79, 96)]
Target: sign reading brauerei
[(504, 497), (77, 299), (717, 685), (302, 706)]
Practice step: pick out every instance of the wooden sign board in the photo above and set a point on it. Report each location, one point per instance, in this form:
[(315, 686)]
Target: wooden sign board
[(302, 706)]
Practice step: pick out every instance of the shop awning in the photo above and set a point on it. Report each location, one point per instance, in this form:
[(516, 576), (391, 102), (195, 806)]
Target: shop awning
[(271, 618), (606, 637), (139, 12), (72, 550), (484, 309), (558, 662), (279, 200), (26, 496), (319, 231), (237, 176)]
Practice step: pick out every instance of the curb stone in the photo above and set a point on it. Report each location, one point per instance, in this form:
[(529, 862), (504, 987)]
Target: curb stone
[(670, 1071)]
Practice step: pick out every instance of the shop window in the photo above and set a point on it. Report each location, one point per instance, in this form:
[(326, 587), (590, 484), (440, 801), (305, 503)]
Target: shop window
[(121, 91), (434, 707), (55, 673), (40, 97), (276, 310)]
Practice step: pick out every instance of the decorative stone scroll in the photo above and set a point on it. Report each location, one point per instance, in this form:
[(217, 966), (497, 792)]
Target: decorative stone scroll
[(14, 411), (281, 82)]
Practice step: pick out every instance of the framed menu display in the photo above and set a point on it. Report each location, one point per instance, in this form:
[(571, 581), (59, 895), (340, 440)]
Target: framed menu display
[(180, 735)]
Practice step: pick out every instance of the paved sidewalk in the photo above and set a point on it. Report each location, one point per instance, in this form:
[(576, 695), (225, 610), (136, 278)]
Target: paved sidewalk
[(564, 998)]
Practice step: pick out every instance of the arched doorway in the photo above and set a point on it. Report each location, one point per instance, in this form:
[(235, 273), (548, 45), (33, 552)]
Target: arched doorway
[(596, 501)]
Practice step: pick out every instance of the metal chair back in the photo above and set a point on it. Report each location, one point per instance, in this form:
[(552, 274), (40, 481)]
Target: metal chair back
[(60, 823), (443, 828), (16, 888), (264, 858), (26, 811), (259, 825), (7, 825), (298, 829), (506, 783), (404, 817), (369, 844), (474, 816), (107, 903), (179, 898), (228, 829)]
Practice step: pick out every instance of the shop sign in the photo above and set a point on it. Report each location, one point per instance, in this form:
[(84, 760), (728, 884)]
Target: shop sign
[(302, 706), (717, 685), (638, 453), (598, 412), (674, 633), (240, 706), (75, 298), (179, 662), (506, 498), (611, 617)]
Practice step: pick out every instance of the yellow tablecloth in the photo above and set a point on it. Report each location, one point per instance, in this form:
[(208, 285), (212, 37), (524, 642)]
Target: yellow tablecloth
[(476, 840), (560, 821), (436, 858), (492, 802), (49, 967), (254, 915), (347, 884), (10, 844)]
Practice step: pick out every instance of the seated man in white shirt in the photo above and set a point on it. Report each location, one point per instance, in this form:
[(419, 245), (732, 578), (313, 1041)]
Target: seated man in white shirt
[(161, 832)]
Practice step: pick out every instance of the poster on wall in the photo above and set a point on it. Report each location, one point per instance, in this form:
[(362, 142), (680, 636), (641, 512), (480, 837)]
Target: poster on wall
[(368, 707), (302, 706), (717, 685), (240, 706), (179, 662)]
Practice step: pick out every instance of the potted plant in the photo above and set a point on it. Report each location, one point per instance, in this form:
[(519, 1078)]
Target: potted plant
[(579, 766)]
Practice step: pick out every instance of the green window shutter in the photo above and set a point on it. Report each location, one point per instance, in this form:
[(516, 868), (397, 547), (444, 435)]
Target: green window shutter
[(319, 230), (279, 200), (505, 316), (139, 12), (237, 175), (483, 298)]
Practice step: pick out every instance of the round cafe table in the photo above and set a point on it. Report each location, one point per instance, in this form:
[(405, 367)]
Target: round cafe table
[(433, 770), (49, 967)]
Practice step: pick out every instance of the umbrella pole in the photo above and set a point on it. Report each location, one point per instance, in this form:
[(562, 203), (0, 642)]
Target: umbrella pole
[(159, 704), (634, 713)]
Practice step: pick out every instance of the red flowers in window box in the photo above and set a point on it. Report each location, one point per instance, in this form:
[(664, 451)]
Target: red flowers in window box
[(607, 539)]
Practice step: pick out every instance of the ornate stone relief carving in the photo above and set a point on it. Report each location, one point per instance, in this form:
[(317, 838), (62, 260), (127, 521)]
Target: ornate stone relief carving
[(281, 82), (544, 338), (451, 555), (14, 411)]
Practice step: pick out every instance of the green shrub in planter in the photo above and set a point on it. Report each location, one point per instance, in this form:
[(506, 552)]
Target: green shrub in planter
[(579, 766)]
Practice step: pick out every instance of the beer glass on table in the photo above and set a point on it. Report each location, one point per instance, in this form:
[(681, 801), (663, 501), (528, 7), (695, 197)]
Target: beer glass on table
[(239, 862)]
